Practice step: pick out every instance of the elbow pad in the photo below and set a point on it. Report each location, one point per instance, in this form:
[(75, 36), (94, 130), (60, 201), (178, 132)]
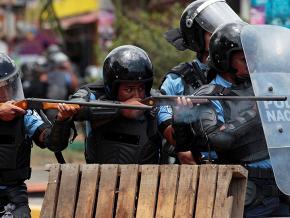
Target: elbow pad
[(57, 137), (234, 130)]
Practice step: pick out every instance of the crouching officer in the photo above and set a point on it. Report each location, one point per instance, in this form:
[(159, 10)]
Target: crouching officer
[(18, 128), (121, 136), (233, 129)]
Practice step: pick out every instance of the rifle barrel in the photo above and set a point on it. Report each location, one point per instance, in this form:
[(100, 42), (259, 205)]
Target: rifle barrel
[(226, 97), (95, 103)]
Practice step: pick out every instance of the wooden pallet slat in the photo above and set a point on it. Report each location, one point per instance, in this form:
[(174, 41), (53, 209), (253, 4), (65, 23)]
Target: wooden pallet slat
[(148, 191), (167, 190), (223, 202), (87, 192), (186, 193), (67, 190), (180, 191), (206, 191), (127, 191), (238, 190), (107, 188), (51, 193)]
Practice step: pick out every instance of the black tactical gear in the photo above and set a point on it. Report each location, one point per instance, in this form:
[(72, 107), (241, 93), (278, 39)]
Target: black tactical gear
[(57, 137), (112, 138), (13, 166), (242, 139), (127, 63), (192, 76), (14, 201), (224, 41)]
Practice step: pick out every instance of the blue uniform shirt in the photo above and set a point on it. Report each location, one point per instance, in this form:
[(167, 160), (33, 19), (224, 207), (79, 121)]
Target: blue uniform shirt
[(172, 85), (32, 121)]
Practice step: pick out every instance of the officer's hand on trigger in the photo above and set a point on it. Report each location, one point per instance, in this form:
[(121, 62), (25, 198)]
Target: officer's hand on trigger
[(8, 111), (66, 111), (132, 114)]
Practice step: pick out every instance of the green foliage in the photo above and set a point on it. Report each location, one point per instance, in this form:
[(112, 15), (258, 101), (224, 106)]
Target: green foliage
[(145, 29)]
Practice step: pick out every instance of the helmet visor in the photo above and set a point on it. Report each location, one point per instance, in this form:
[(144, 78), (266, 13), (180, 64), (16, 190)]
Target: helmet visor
[(214, 13), (11, 88)]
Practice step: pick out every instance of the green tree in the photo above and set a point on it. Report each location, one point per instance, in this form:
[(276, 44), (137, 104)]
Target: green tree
[(145, 29)]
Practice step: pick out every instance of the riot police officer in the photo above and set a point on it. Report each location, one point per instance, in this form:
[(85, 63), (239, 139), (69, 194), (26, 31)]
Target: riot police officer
[(198, 21), (121, 136), (18, 128), (233, 129)]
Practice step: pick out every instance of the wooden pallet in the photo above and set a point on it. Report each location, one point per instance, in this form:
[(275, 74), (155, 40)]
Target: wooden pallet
[(143, 191)]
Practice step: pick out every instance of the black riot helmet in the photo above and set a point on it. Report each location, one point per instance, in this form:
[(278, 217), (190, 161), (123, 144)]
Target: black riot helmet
[(10, 81), (223, 42), (127, 63), (198, 17)]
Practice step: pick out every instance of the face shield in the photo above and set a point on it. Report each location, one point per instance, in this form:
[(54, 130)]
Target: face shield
[(213, 13), (10, 86)]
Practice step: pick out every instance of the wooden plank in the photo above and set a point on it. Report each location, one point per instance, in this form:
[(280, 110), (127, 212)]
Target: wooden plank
[(148, 191), (206, 191), (51, 193), (127, 191), (186, 191), (67, 190), (167, 190), (107, 187), (87, 192), (223, 202), (238, 190)]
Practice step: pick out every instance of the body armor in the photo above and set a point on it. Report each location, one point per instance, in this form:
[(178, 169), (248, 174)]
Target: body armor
[(250, 145), (111, 138), (123, 141), (191, 74), (14, 152)]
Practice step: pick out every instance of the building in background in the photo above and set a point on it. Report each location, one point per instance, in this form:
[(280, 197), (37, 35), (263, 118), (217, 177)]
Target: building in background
[(79, 23), (275, 12), (11, 12)]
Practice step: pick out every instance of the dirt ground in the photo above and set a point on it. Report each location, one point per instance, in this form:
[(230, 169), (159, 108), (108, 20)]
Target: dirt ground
[(41, 157)]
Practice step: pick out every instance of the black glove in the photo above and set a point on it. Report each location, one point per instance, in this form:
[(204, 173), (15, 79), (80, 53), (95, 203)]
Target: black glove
[(181, 123)]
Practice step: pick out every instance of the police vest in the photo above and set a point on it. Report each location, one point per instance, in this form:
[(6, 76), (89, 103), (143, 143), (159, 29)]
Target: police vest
[(253, 147), (192, 76), (14, 152), (121, 140)]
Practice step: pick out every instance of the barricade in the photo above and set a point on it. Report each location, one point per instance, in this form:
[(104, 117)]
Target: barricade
[(102, 191)]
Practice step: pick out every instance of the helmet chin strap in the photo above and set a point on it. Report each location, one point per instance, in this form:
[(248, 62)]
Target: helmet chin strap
[(238, 80), (241, 80)]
